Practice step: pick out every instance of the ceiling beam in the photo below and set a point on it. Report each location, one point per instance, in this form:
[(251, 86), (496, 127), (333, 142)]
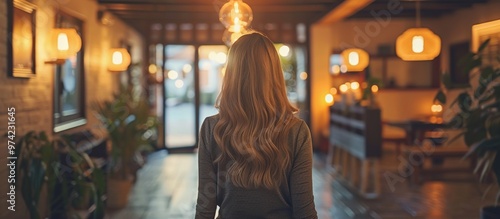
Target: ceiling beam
[(344, 10)]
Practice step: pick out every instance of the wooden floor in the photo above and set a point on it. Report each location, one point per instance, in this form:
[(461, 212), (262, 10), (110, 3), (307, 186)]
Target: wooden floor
[(167, 188)]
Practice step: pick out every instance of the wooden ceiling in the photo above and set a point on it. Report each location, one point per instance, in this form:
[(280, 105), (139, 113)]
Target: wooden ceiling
[(428, 8), (145, 15)]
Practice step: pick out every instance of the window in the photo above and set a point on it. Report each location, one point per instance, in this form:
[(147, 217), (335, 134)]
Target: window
[(69, 86)]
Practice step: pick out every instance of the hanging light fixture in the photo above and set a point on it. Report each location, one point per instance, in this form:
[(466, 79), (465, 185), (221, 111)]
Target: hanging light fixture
[(119, 59), (235, 15), (418, 44), (63, 43), (355, 59), (229, 37)]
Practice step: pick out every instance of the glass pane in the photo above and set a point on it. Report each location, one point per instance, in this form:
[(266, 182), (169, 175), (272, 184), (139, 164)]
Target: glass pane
[(180, 94), (212, 60), (69, 94), (293, 61)]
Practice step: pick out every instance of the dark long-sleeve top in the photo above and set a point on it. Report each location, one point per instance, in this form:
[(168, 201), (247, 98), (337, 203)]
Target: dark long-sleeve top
[(292, 199)]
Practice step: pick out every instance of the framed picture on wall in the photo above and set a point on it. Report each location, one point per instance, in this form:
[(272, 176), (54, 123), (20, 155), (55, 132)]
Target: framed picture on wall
[(458, 76), (482, 32), (21, 30)]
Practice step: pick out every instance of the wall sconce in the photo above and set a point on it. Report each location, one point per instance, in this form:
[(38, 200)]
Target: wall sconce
[(63, 43), (355, 59), (119, 59)]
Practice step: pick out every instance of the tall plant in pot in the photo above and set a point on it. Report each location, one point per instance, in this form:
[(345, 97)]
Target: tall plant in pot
[(128, 123), (477, 115)]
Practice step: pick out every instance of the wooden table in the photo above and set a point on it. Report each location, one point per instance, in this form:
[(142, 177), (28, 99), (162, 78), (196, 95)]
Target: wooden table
[(416, 129)]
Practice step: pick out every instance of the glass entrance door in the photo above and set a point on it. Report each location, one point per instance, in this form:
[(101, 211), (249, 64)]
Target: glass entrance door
[(186, 100)]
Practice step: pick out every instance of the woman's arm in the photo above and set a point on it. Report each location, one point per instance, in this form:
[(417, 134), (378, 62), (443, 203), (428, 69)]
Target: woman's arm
[(301, 176), (207, 191)]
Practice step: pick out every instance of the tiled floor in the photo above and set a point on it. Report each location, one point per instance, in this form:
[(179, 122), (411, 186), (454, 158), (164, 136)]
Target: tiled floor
[(167, 186)]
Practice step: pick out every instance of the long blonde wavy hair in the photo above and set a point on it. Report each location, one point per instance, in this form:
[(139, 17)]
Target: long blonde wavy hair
[(254, 115)]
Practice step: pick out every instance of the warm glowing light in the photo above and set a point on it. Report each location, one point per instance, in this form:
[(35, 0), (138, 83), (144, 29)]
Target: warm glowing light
[(62, 42), (119, 59), (212, 55), (417, 44), (172, 75), (343, 88), (303, 76), (355, 59), (235, 13), (336, 69), (152, 69), (374, 88), (329, 99), (333, 91), (436, 108), (355, 85), (284, 51), (179, 83), (343, 68), (229, 37), (221, 57), (187, 68)]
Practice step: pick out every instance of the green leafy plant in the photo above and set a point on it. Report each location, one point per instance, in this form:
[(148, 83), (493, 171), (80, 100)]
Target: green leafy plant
[(130, 128), (61, 168), (477, 113)]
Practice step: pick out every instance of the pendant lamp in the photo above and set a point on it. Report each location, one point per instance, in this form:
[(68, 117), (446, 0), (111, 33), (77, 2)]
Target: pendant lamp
[(355, 59), (235, 15), (418, 44)]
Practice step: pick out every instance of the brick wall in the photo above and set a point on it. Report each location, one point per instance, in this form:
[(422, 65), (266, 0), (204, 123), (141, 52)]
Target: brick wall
[(33, 98)]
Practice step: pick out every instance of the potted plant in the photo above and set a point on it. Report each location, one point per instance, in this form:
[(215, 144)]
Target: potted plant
[(58, 167), (129, 126), (478, 118)]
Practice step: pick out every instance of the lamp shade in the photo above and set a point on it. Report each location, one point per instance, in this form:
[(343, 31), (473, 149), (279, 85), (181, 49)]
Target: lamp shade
[(235, 15), (64, 42), (355, 59), (119, 59), (418, 44)]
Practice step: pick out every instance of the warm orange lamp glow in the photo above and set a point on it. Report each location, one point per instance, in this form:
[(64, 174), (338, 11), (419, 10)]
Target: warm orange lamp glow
[(329, 99), (63, 43), (343, 88), (374, 88), (418, 44), (119, 59), (229, 37), (235, 15), (436, 108), (355, 59)]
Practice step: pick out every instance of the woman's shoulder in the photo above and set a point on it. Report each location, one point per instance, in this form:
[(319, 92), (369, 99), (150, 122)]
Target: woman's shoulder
[(298, 123), (210, 121)]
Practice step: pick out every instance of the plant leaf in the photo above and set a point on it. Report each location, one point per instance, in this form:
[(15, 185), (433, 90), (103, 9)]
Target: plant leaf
[(485, 144), (464, 101), (474, 136), (440, 97), (483, 45)]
